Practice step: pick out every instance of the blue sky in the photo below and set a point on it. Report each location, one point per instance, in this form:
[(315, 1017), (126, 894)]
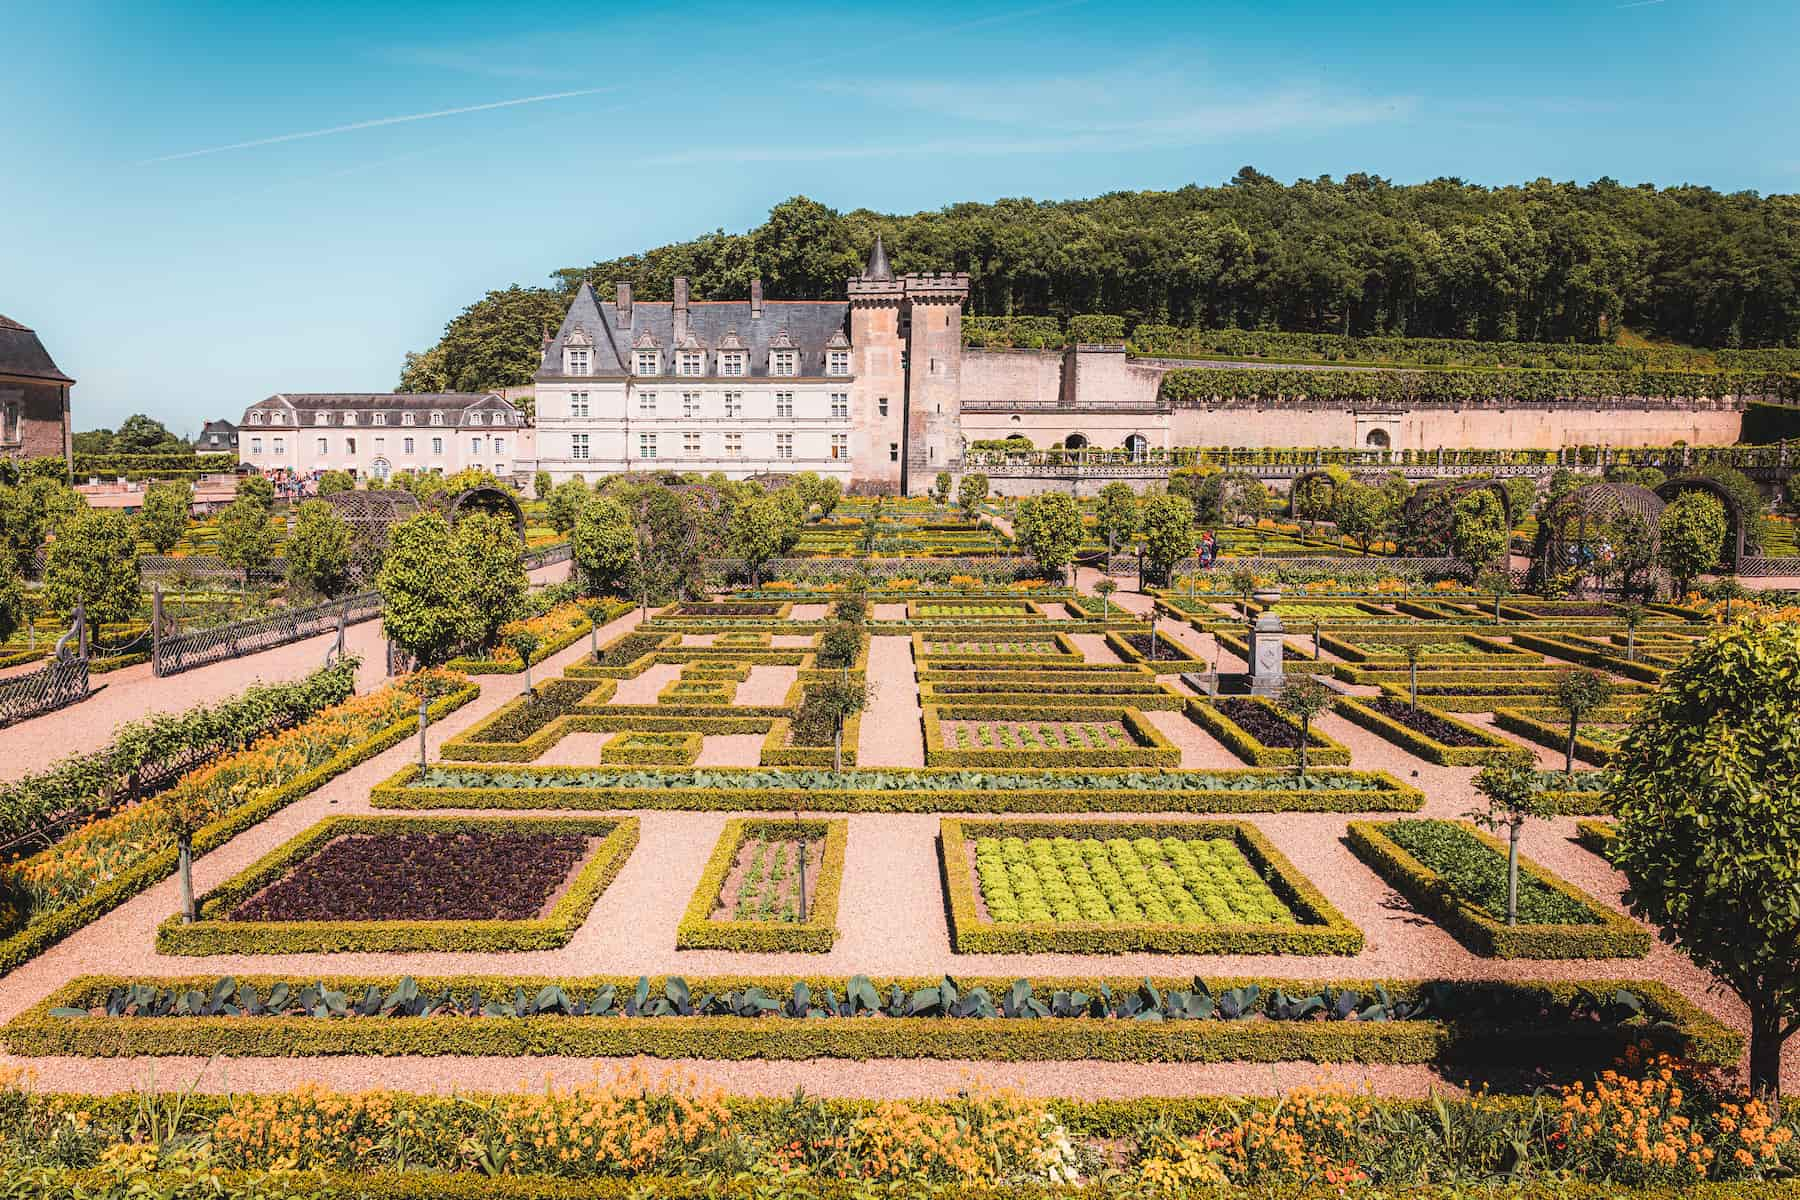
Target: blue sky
[(205, 203)]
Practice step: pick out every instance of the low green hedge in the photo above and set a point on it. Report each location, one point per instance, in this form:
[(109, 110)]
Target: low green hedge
[(642, 747), (1615, 664), (816, 935), (511, 665), (1612, 935), (216, 932), (1293, 661), (1152, 749), (1677, 1025), (1544, 734), (1156, 697), (484, 740), (746, 789), (1182, 659), (1321, 751), (1597, 836), (1322, 928), (778, 749), (1414, 742)]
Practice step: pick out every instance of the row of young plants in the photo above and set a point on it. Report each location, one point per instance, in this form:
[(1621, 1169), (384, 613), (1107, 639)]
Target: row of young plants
[(95, 869), (1566, 1023), (1016, 745), (816, 934), (1257, 731), (1458, 875)]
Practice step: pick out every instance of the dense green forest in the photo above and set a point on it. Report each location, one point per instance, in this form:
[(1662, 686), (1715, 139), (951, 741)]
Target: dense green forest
[(1541, 262)]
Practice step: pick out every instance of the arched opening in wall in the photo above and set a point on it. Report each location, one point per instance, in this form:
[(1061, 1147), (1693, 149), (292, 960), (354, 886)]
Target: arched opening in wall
[(1138, 446), (1075, 441), (380, 469), (1015, 419), (1377, 439)]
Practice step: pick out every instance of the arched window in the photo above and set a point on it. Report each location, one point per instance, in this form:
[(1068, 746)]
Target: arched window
[(1075, 441), (1377, 439), (1138, 446)]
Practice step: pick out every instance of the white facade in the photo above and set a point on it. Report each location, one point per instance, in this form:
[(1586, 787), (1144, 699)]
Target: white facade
[(378, 435)]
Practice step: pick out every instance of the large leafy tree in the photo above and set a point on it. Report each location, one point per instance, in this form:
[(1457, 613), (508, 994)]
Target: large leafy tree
[(604, 546), (1691, 536), (1168, 523), (819, 491), (971, 493), (761, 529), (142, 434), (1048, 528), (93, 562), (424, 606), (318, 550), (1478, 532), (246, 539), (30, 511), (566, 502), (490, 563), (1707, 792), (12, 599), (1362, 512), (1116, 514), (164, 516)]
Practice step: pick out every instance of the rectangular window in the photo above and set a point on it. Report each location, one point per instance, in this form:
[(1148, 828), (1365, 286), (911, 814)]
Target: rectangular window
[(784, 445), (281, 445), (349, 445), (647, 363), (578, 361), (406, 419), (691, 362), (380, 445), (732, 363), (690, 404), (256, 445), (893, 451), (437, 445), (840, 404), (379, 419), (784, 404), (838, 363), (734, 404), (882, 405), (406, 447), (840, 446), (784, 362), (690, 444), (475, 445), (646, 445), (324, 446), (499, 445), (578, 404), (349, 418), (578, 445), (734, 445), (437, 418), (647, 402)]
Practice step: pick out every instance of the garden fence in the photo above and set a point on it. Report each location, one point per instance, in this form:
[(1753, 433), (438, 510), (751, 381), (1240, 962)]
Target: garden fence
[(60, 682), (175, 653)]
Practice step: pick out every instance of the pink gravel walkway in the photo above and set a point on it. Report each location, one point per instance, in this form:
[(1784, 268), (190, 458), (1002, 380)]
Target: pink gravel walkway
[(892, 735), (767, 685)]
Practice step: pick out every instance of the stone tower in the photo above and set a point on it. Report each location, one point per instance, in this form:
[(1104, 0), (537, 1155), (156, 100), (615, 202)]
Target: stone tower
[(907, 334)]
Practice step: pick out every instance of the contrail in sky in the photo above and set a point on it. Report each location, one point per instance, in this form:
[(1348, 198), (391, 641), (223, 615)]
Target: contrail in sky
[(429, 116)]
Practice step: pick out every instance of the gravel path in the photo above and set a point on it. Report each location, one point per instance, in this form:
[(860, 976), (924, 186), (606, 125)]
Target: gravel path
[(766, 685), (892, 735)]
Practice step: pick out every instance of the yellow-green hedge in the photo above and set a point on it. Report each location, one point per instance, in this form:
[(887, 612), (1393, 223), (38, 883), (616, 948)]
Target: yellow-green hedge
[(1427, 748), (1152, 749), (1321, 751), (671, 749), (816, 935)]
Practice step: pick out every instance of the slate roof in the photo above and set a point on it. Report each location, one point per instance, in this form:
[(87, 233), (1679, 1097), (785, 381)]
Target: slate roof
[(369, 402), (809, 324), (22, 355)]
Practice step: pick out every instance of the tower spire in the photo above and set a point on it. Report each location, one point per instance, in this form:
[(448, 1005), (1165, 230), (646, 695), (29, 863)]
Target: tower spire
[(878, 267)]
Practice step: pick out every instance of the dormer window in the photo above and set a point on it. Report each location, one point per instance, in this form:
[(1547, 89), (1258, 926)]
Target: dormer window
[(321, 418), (784, 362), (379, 418), (501, 418), (349, 418), (692, 362), (576, 360), (837, 362), (649, 362), (407, 419), (733, 362), (437, 418), (256, 418)]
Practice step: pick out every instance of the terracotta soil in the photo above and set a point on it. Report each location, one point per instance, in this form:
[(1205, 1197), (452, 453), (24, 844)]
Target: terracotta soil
[(725, 908)]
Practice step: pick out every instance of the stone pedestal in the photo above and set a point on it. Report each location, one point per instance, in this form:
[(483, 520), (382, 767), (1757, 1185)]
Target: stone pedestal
[(1266, 670)]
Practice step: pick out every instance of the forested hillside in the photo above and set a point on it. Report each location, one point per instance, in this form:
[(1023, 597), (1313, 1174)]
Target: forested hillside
[(1542, 262)]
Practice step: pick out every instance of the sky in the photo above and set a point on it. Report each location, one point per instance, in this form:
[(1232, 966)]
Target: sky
[(202, 204)]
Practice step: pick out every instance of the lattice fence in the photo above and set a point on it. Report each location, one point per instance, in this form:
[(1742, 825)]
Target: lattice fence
[(185, 651), (724, 572), (1758, 567), (57, 684)]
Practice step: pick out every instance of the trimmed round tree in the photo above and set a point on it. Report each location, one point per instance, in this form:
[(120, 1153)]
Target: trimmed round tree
[(1478, 533), (424, 609), (1707, 791), (972, 492), (245, 539), (1691, 537), (1579, 692), (1049, 529), (164, 517), (1168, 534), (258, 489), (603, 545), (93, 562), (1116, 515), (318, 551), (490, 560)]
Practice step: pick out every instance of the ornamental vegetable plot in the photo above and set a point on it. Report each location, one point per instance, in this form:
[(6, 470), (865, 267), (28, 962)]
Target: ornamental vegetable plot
[(765, 881), (1478, 874), (1201, 881), (1033, 735)]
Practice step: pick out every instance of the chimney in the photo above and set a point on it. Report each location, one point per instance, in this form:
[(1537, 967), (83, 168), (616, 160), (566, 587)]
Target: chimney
[(624, 306), (755, 299), (679, 310)]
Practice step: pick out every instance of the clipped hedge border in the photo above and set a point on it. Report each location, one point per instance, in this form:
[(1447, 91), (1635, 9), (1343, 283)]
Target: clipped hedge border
[(1183, 659), (1163, 699), (816, 935), (672, 749), (38, 936), (1322, 930), (778, 750), (589, 668), (1612, 664), (646, 718), (1393, 796), (468, 745), (217, 933), (550, 646), (1612, 935), (709, 692), (1427, 748), (1681, 1027), (1597, 836), (1322, 751), (1065, 654), (1028, 611), (1152, 749), (1544, 734)]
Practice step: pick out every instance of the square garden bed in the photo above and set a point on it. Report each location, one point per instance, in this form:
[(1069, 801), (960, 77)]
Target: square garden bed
[(750, 896), (1112, 887), (651, 748), (1423, 731), (1170, 655), (957, 736), (1257, 731), (413, 883)]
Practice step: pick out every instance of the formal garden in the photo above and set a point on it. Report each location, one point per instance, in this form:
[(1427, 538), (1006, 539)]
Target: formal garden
[(743, 864)]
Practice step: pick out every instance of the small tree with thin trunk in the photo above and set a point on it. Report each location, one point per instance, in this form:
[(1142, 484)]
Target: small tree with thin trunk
[(1412, 651), (1727, 588), (523, 641), (1243, 582), (1631, 615), (836, 700), (1104, 589), (1497, 580), (1578, 693), (1514, 794), (1303, 697)]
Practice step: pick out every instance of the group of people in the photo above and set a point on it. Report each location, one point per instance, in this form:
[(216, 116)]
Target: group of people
[(1208, 549)]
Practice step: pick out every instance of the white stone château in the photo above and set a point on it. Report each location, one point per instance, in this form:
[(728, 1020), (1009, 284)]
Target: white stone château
[(863, 389), (378, 434)]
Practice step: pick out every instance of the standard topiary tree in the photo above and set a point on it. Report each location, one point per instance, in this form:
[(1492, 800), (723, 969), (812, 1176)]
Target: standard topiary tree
[(93, 562), (540, 485), (602, 545), (1707, 791), (1631, 616), (761, 528), (1049, 529), (1168, 534), (164, 516), (1579, 692), (566, 501), (971, 493), (1303, 697), (1514, 794), (1116, 515), (1104, 589), (523, 641), (1411, 651), (490, 560), (257, 489), (333, 482), (318, 550), (246, 540), (1478, 533), (424, 609), (940, 488)]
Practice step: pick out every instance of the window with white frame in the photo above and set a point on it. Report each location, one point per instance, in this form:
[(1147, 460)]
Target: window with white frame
[(692, 362), (437, 418), (281, 445), (734, 445), (784, 445), (734, 404), (690, 444), (406, 446), (647, 402), (840, 404), (575, 360), (324, 445), (837, 362), (499, 445), (646, 445), (578, 404), (784, 404), (501, 418), (690, 404), (349, 418), (840, 446), (437, 446), (380, 445), (578, 445), (256, 445), (321, 418), (475, 445), (256, 418), (649, 363), (784, 362), (733, 362), (379, 418), (406, 419)]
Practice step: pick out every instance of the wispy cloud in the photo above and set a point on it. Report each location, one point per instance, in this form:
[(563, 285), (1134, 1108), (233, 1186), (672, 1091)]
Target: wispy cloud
[(1002, 18), (1640, 3), (370, 124), (1297, 111)]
